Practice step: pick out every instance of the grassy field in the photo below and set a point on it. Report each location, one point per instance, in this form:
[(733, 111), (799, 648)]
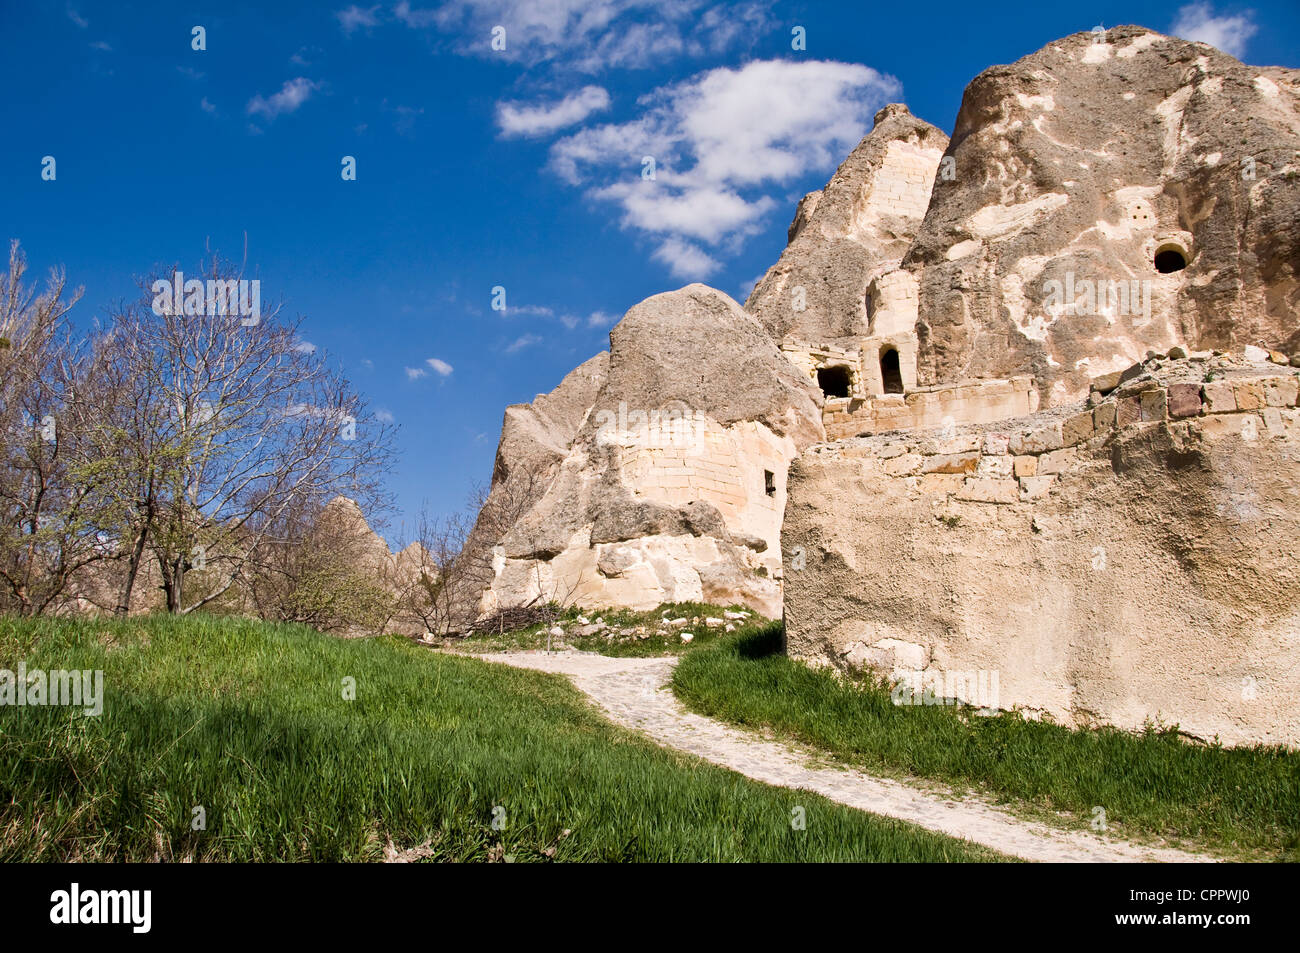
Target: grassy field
[(248, 720), (1243, 802)]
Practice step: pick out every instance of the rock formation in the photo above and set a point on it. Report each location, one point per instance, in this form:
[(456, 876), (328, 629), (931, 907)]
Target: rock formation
[(1130, 561), (670, 483), (1043, 464), (1113, 193)]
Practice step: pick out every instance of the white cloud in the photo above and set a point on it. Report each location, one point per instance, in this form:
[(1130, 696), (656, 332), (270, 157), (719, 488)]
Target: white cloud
[(354, 18), (720, 141), (517, 119), (591, 35), (305, 347), (601, 319), (415, 373), (206, 106), (384, 416), (291, 95), (1196, 21), (521, 342), (101, 46), (416, 19), (685, 260), (442, 367), (77, 18)]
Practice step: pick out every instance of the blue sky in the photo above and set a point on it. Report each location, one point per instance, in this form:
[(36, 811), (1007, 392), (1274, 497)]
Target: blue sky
[(479, 167)]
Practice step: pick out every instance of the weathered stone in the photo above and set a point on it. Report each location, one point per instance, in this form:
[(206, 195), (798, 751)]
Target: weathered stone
[(1154, 405), (1219, 397), (951, 463), (1037, 439), (996, 443), (1035, 487), (1106, 382), (855, 230), (983, 490), (1281, 391), (1026, 466), (990, 466), (1177, 353), (1103, 416), (1128, 411), (1058, 461), (941, 483), (905, 465), (1076, 429), (1184, 400), (996, 253), (1249, 395)]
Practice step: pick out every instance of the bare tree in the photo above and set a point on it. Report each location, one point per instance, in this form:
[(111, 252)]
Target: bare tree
[(220, 422), (317, 566), (437, 583), (51, 528)]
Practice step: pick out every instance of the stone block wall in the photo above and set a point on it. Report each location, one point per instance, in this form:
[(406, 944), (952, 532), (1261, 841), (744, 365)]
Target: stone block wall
[(931, 407), (1129, 560), (903, 183)]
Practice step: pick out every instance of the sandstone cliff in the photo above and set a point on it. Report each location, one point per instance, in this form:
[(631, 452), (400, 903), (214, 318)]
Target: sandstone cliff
[(669, 484), (1079, 169), (1129, 562)]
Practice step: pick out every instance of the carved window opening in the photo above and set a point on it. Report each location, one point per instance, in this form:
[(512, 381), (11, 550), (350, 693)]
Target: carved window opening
[(891, 373), (834, 381), (1170, 258)]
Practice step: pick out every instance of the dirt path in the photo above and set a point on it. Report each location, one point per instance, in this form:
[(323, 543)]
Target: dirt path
[(634, 692)]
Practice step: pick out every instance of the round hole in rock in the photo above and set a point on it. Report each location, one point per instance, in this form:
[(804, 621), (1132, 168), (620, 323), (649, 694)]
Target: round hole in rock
[(1169, 260)]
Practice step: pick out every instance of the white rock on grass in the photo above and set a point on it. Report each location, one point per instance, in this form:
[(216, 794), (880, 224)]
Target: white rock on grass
[(687, 636), (713, 623)]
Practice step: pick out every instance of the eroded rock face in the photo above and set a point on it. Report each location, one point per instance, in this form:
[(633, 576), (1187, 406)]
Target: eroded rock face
[(1124, 562), (670, 483), (853, 231), (1080, 164)]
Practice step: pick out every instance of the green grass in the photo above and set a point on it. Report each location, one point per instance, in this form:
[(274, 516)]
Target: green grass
[(654, 644), (1244, 802), (248, 720)]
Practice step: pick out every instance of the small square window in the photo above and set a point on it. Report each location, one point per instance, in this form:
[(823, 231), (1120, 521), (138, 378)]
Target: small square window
[(769, 482)]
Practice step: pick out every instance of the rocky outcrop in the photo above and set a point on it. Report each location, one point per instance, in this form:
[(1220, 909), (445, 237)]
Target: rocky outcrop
[(851, 233), (1074, 175), (670, 483), (1129, 560)]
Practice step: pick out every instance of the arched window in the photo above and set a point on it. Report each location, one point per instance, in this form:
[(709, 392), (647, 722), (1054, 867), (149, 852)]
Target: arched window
[(891, 374)]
